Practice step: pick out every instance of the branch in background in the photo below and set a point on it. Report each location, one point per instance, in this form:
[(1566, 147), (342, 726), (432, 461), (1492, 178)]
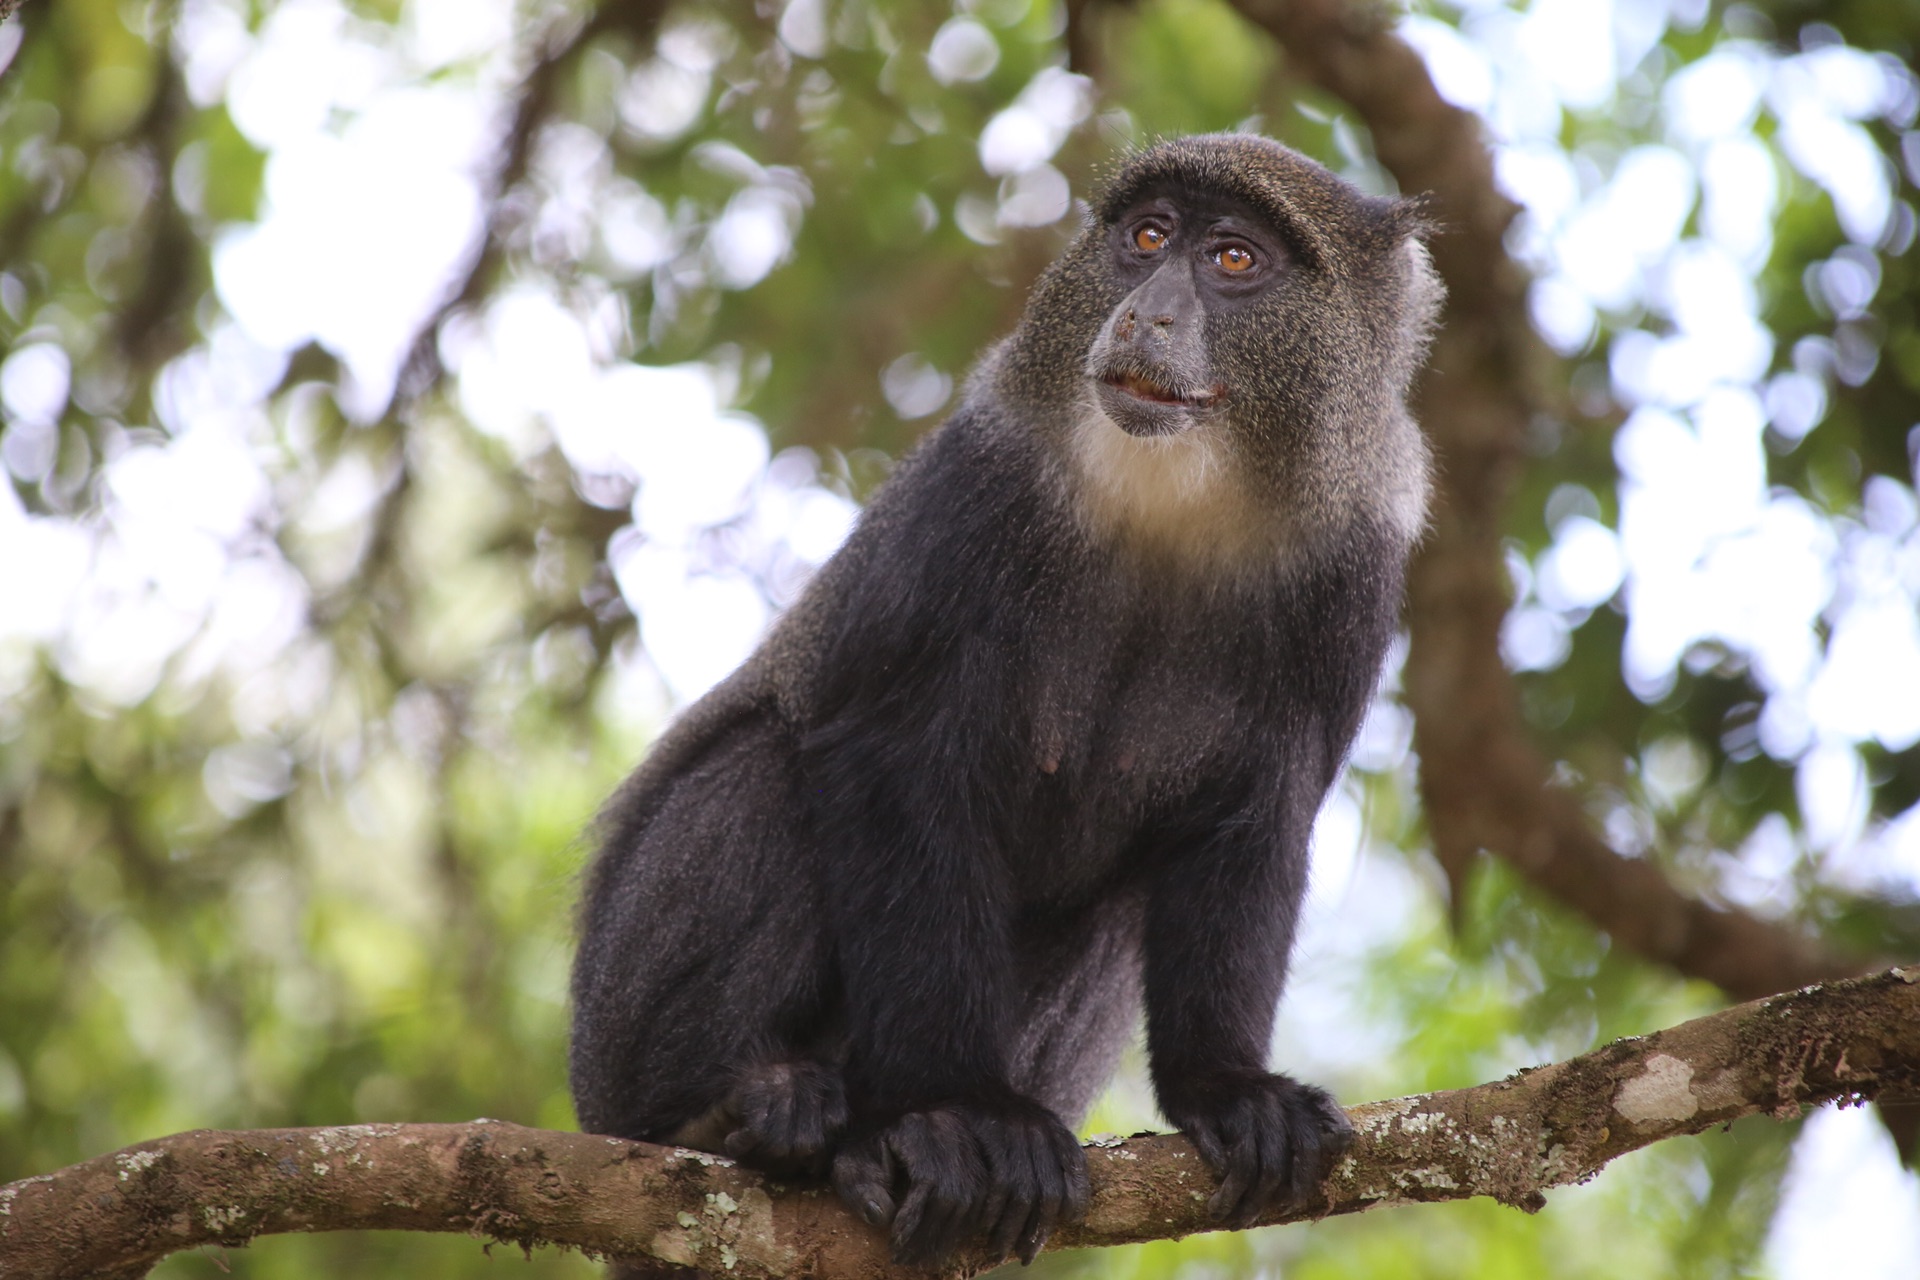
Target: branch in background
[(1079, 39), (533, 105), (118, 1214), (1485, 783), (155, 324)]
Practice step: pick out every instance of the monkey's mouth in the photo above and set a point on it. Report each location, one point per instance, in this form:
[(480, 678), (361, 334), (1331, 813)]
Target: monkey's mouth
[(1144, 388)]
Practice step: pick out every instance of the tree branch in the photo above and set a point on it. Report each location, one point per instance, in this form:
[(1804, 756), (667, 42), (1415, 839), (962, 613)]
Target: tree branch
[(153, 325), (533, 104), (1485, 783), (118, 1214)]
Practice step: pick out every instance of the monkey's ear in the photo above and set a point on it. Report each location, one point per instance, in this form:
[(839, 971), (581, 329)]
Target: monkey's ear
[(1413, 217)]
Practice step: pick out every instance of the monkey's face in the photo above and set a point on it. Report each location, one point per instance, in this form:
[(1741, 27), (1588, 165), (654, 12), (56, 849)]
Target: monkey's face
[(1185, 263), (1235, 323), (1225, 282)]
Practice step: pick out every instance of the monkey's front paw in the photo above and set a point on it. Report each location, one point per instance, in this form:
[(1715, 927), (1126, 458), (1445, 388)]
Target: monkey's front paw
[(1269, 1137), (1008, 1169), (1036, 1177), (790, 1115), (922, 1175)]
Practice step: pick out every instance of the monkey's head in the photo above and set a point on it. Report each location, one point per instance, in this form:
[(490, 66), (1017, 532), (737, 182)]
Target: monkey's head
[(1229, 293)]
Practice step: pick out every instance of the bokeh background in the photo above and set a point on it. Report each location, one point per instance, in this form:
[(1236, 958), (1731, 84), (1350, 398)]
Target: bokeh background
[(406, 405)]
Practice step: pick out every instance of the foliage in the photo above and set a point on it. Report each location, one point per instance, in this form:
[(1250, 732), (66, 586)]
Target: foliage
[(318, 645)]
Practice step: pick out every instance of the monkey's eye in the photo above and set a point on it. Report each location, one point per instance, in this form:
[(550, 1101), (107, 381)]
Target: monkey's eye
[(1234, 259), (1150, 237)]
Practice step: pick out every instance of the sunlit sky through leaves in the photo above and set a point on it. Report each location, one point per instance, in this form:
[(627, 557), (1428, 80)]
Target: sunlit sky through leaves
[(376, 138)]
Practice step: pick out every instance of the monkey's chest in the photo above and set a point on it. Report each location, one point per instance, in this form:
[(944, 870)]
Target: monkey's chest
[(1152, 737), (1120, 747)]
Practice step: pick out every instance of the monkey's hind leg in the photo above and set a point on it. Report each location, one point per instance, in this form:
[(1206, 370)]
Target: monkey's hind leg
[(782, 1116)]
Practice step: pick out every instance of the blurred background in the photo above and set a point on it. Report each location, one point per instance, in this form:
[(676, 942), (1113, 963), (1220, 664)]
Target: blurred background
[(406, 405)]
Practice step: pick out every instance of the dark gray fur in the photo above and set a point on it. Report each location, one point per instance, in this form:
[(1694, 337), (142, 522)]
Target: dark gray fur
[(1042, 744)]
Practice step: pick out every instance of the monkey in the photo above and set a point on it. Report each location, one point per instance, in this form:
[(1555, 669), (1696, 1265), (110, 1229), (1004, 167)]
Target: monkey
[(1040, 749)]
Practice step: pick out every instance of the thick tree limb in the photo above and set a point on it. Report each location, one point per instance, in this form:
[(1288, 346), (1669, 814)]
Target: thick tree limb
[(118, 1214), (1485, 783)]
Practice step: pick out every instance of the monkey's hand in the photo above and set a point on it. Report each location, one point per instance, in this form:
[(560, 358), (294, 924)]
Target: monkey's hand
[(1269, 1137), (787, 1116), (1006, 1167)]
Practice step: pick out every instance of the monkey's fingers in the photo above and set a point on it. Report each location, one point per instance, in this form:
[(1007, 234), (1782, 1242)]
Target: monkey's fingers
[(863, 1175), (931, 1220), (1273, 1144), (1236, 1136), (1208, 1144), (819, 1112), (790, 1115), (1061, 1170), (945, 1182), (1323, 1135), (1001, 1217), (1036, 1176), (1271, 1149), (1079, 1190), (767, 1114), (1009, 1169)]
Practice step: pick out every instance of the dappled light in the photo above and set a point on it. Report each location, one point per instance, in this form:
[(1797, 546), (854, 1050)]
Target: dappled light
[(407, 407)]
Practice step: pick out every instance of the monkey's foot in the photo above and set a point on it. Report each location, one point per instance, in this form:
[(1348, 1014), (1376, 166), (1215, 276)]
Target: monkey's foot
[(1006, 1168), (1271, 1139), (788, 1116)]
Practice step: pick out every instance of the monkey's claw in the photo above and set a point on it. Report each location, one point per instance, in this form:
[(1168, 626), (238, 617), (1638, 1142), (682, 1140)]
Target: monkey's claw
[(790, 1115), (1008, 1169), (1271, 1139), (922, 1175), (1037, 1178)]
